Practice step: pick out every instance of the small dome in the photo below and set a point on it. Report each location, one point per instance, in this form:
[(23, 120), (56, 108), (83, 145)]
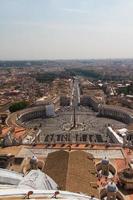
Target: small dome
[(111, 187), (105, 161), (128, 173)]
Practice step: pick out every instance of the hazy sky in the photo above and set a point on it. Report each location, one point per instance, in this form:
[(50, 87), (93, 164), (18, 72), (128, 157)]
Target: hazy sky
[(54, 29)]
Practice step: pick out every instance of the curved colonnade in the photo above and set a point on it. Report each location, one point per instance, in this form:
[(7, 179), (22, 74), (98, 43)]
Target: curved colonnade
[(114, 112), (117, 113), (32, 113)]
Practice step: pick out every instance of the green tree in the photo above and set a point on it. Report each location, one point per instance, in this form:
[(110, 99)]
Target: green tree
[(18, 106)]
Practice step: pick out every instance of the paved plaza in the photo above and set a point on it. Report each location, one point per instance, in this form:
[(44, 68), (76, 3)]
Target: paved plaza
[(97, 153), (95, 128)]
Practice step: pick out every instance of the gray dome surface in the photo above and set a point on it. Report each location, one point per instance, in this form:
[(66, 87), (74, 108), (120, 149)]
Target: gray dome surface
[(37, 180), (105, 161), (111, 187)]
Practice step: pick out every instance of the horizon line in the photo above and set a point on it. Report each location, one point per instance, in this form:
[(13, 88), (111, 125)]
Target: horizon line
[(65, 59)]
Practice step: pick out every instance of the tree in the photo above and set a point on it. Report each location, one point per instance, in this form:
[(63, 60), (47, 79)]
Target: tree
[(18, 106)]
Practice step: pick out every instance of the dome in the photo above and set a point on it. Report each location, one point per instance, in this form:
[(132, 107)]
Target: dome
[(37, 180), (105, 161), (128, 173), (43, 194), (111, 187)]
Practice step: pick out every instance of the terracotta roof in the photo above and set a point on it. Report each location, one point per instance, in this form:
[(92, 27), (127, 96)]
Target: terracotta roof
[(5, 131), (119, 108), (19, 132), (73, 171), (13, 150)]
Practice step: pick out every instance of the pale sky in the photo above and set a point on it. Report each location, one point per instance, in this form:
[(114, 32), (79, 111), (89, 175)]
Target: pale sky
[(66, 29)]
